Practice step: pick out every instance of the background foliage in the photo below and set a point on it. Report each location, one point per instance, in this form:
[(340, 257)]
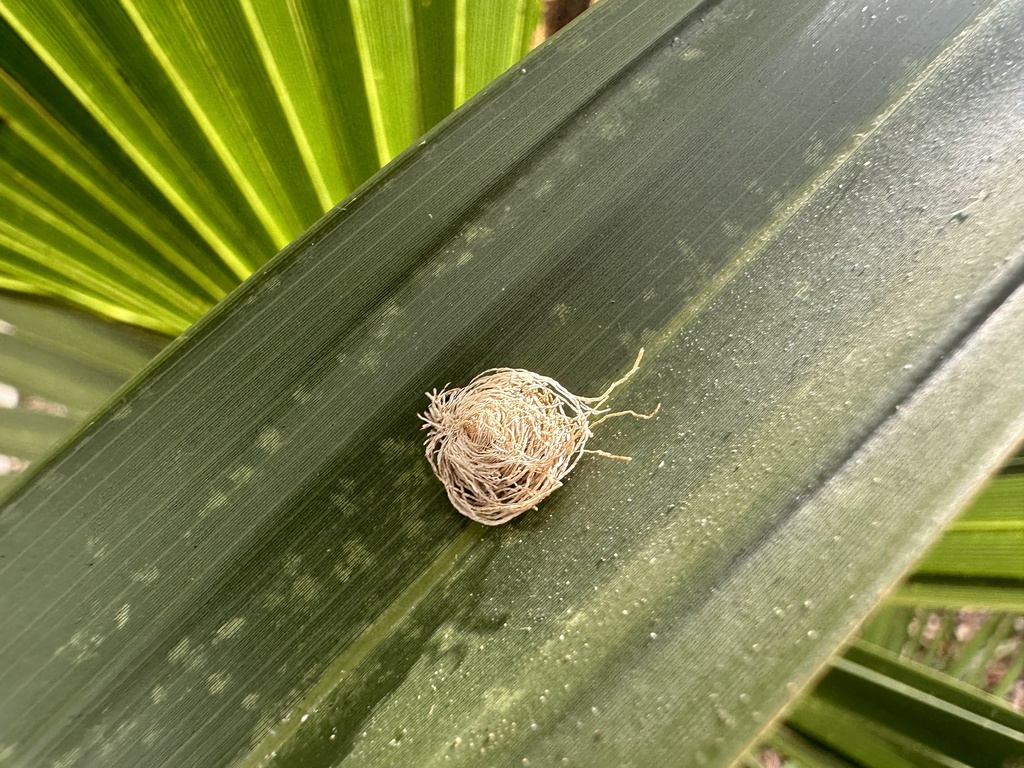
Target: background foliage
[(155, 155)]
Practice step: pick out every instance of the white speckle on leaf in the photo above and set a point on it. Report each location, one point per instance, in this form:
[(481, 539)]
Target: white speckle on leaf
[(11, 464), (9, 396), (95, 547), (561, 312), (68, 759), (306, 588), (269, 439), (82, 644), (180, 651), (214, 501), (228, 629), (218, 682), (146, 575), (241, 475)]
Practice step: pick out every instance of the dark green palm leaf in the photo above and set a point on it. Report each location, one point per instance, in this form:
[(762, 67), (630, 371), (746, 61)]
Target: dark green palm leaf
[(809, 216)]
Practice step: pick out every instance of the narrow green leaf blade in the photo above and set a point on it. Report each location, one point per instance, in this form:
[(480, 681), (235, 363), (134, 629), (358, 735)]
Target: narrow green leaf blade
[(837, 371), (488, 42), (961, 593), (309, 51), (73, 226), (56, 367), (44, 123), (877, 709), (979, 561), (117, 72), (988, 541), (384, 35), (209, 54), (804, 753), (153, 154), (436, 33)]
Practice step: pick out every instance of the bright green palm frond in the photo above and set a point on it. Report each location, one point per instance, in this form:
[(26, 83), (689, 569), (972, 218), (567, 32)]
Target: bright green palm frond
[(154, 154)]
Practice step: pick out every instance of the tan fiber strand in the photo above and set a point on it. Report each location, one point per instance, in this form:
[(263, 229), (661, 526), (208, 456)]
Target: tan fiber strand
[(503, 443)]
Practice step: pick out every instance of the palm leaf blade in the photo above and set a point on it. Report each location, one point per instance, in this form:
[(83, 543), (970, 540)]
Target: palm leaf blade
[(273, 544), (906, 713)]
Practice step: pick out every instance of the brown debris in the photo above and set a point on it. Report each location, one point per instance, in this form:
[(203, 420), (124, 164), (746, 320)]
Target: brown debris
[(504, 442)]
